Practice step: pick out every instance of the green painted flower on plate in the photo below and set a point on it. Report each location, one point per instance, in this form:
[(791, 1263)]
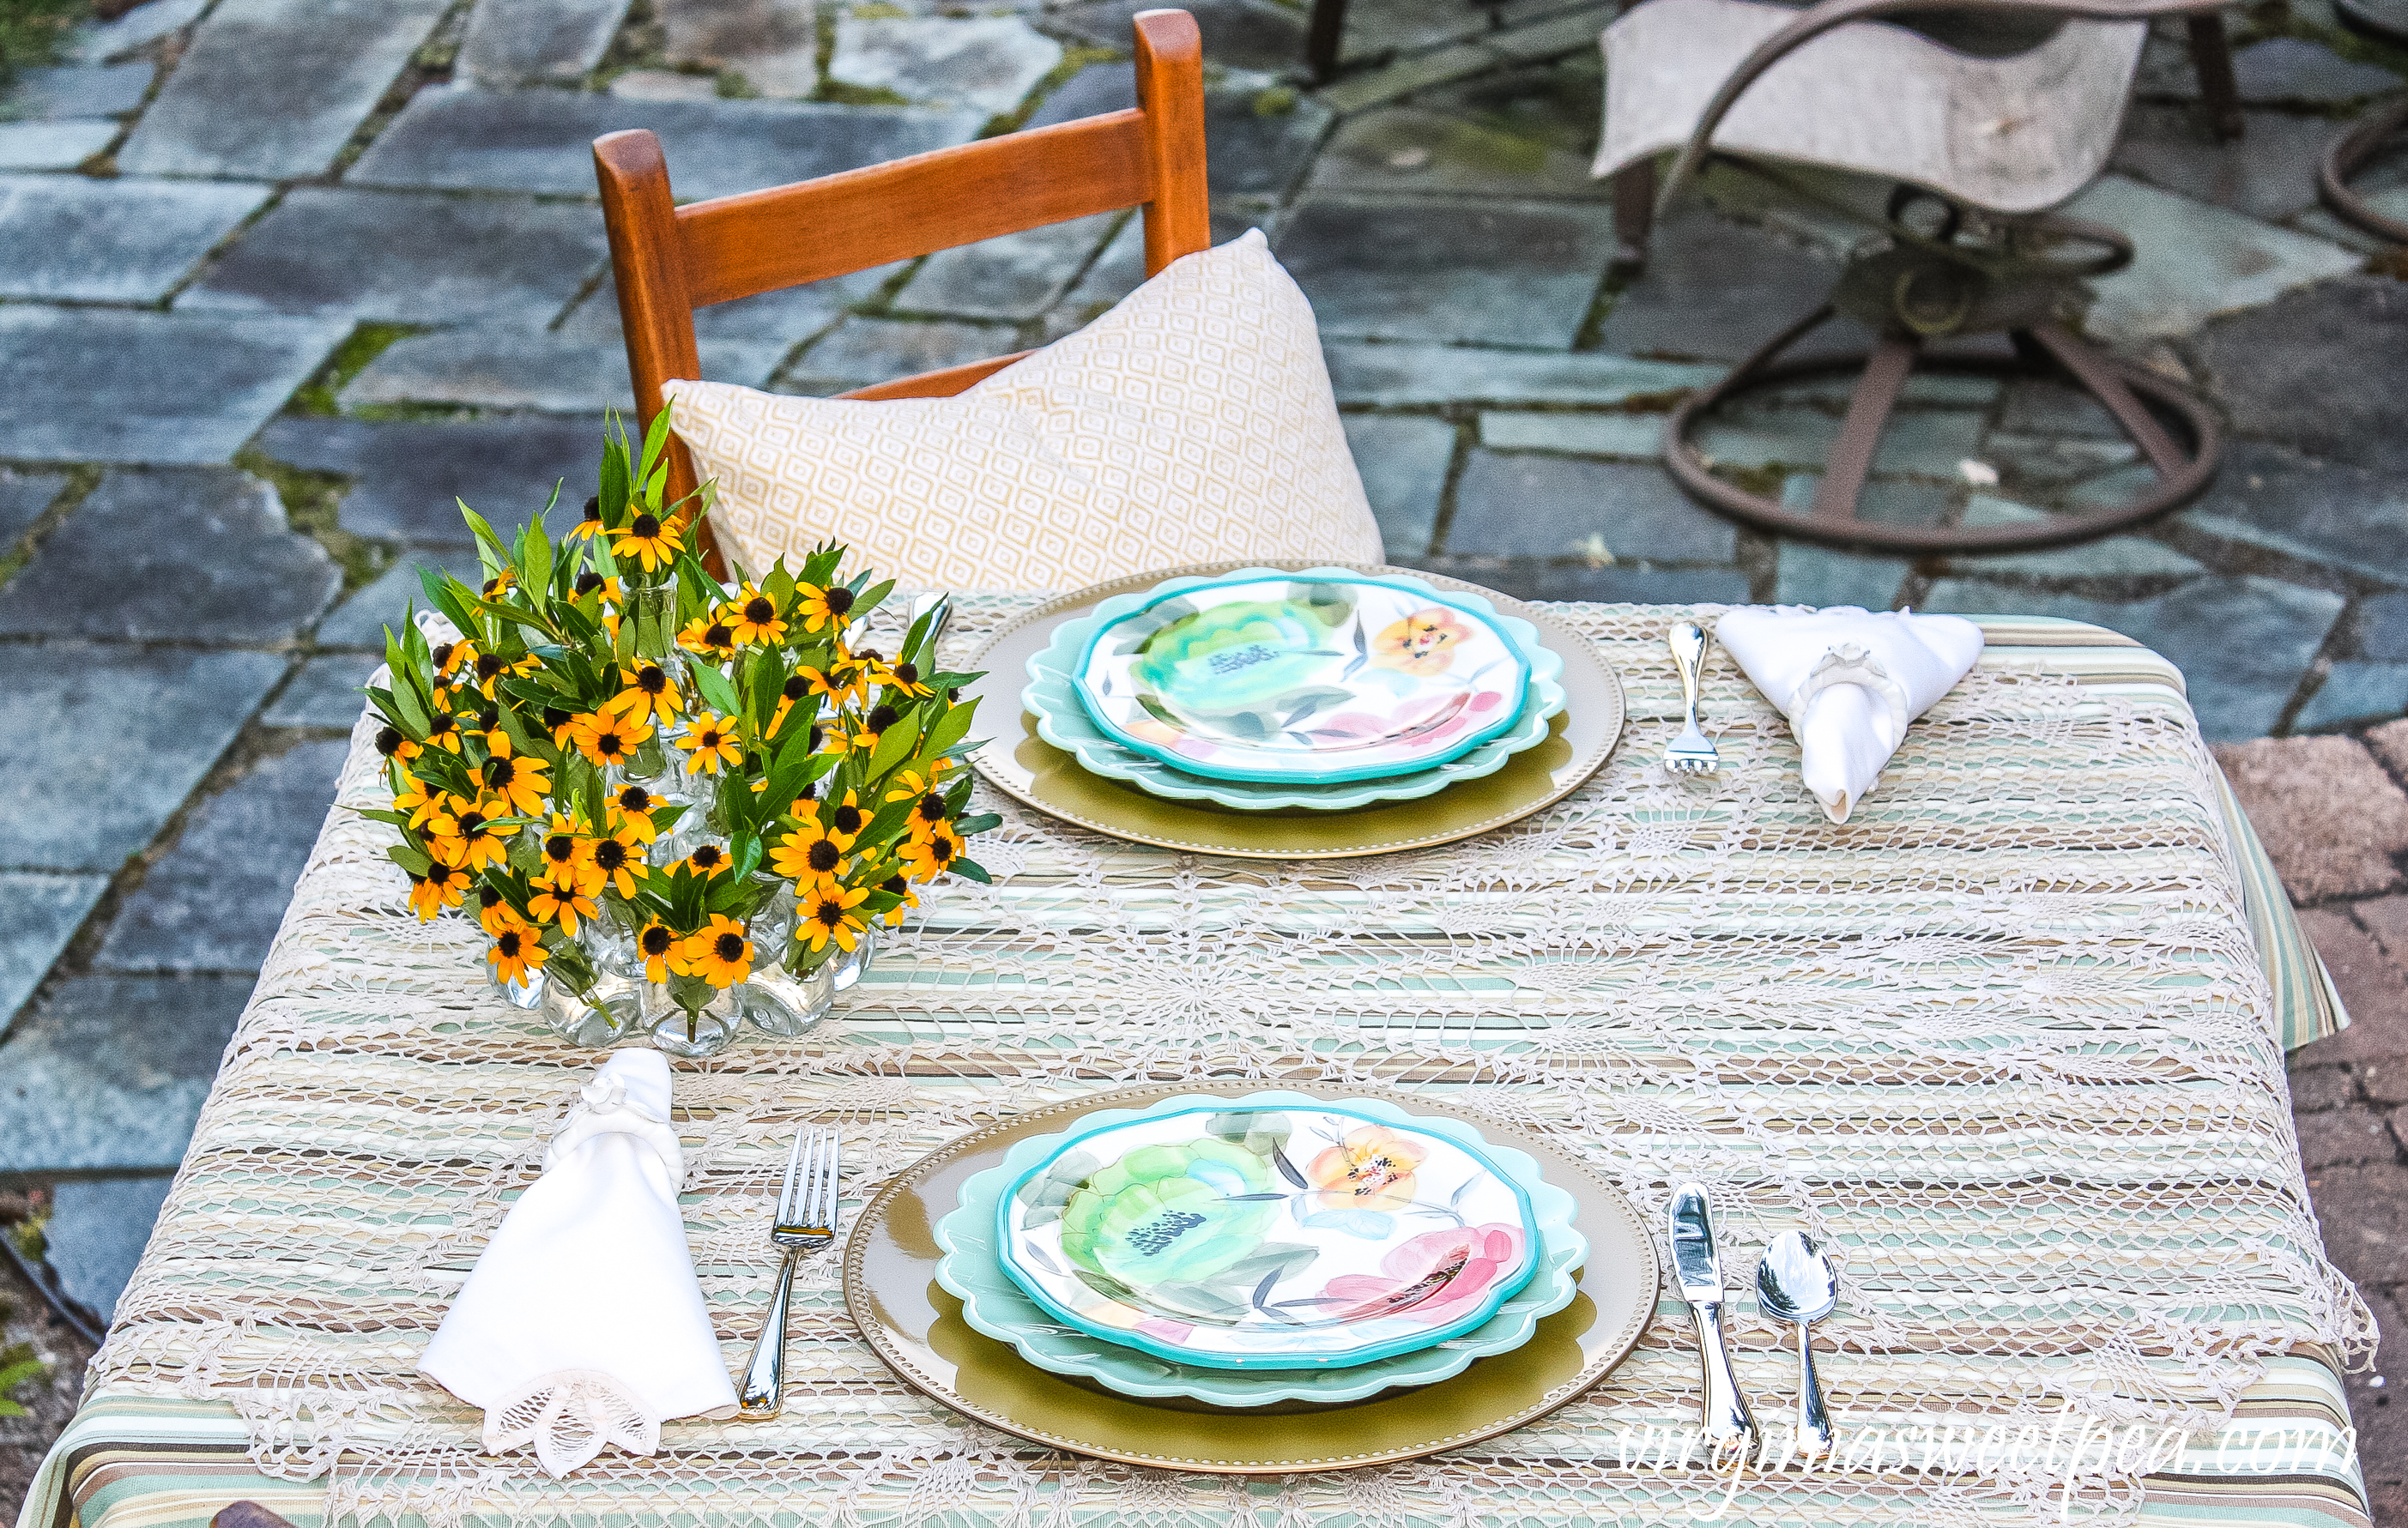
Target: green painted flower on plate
[(1169, 1213)]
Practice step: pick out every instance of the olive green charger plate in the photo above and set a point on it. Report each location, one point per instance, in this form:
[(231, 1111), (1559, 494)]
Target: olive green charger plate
[(890, 1286), (1034, 773)]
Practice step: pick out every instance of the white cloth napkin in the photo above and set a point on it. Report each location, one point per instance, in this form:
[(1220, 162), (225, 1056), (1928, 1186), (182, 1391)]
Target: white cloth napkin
[(1849, 681), (581, 1325)]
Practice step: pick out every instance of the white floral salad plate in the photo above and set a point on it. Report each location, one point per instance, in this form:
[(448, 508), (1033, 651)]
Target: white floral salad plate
[(1265, 1234), (1313, 678)]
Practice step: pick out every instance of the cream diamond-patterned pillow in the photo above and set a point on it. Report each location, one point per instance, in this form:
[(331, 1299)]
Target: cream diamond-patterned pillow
[(1192, 423)]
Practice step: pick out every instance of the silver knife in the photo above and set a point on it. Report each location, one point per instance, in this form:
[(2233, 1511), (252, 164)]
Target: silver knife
[(1690, 1224)]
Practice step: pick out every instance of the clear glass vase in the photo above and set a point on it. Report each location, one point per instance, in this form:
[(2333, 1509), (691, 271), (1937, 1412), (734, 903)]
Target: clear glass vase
[(778, 1002), (518, 994), (853, 963), (689, 1017), (585, 1001)]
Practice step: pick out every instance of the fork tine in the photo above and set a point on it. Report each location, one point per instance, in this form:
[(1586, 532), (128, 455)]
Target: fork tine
[(828, 1183), (786, 1189), (809, 1199)]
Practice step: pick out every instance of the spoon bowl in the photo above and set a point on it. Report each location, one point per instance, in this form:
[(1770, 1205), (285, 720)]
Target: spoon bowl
[(1795, 1283)]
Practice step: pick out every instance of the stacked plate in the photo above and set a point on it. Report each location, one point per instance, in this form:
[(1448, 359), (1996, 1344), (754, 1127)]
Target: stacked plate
[(1269, 1248), (1326, 690)]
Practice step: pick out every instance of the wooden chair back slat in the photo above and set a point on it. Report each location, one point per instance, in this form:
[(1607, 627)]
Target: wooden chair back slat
[(736, 245), (670, 260)]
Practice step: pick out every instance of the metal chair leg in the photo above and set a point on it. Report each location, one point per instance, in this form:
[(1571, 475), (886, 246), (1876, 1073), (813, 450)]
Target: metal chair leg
[(2210, 54), (1325, 33), (1634, 214)]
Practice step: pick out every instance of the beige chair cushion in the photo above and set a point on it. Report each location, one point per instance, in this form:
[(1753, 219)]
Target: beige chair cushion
[(1194, 423)]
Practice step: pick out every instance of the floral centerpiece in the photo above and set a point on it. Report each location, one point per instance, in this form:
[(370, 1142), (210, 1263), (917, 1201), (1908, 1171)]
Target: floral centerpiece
[(665, 798)]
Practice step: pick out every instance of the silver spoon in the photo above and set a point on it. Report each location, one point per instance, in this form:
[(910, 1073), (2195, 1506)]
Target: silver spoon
[(1795, 1283)]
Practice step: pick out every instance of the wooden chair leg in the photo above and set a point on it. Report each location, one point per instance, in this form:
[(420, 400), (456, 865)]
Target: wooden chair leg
[(1634, 214), (1322, 37), (2210, 54)]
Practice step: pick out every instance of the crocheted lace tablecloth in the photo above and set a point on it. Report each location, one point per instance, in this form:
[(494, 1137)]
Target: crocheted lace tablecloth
[(2006, 1041)]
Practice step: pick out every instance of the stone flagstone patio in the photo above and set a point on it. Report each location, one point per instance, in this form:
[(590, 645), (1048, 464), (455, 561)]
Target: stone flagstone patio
[(279, 279)]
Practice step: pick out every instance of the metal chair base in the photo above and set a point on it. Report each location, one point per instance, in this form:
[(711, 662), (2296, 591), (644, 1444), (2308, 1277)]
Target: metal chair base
[(2344, 159), (2182, 473)]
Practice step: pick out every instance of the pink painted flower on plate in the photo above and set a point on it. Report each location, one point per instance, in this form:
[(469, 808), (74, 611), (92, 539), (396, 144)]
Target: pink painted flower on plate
[(1434, 1278)]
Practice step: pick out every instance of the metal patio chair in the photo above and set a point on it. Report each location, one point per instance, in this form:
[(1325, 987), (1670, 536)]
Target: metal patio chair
[(2385, 22), (1978, 131)]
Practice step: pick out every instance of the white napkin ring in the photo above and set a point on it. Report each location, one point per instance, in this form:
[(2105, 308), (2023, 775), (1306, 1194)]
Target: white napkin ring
[(1851, 663), (604, 1107)]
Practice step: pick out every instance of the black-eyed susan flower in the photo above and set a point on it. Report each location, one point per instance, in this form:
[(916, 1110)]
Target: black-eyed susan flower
[(557, 723), (719, 953), (808, 856), (901, 888), (754, 618), (844, 819), (631, 816), (709, 859), (649, 692), (620, 863), (464, 835), (422, 801), (519, 783), (491, 667), (826, 913), (908, 783), (606, 737), (393, 745), (815, 607), (516, 953), (443, 732), (441, 887), (588, 523), (565, 852), (649, 541), (493, 915), (656, 943), (926, 857), (562, 897), (795, 688), (451, 657), (710, 743), (902, 676), (928, 814), (709, 636), (843, 684)]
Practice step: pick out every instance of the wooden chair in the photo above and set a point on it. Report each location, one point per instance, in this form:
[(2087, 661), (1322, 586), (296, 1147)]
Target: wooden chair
[(670, 259)]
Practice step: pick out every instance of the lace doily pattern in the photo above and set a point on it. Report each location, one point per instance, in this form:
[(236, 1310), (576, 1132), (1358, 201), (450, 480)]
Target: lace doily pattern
[(2003, 1041)]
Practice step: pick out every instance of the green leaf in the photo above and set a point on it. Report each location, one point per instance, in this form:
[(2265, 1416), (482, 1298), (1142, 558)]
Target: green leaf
[(374, 815), (984, 821), (528, 742), (746, 847), (535, 557), (451, 597), (768, 682), (864, 604), (715, 689), (414, 859), (655, 439), (894, 745), (613, 483), (948, 729), (407, 714), (488, 540), (666, 818), (970, 870)]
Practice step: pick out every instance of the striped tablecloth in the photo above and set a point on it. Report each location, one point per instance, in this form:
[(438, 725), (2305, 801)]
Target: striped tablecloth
[(2011, 1041)]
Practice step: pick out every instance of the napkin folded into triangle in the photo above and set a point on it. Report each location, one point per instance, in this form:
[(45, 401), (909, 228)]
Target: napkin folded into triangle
[(581, 1325), (1850, 680)]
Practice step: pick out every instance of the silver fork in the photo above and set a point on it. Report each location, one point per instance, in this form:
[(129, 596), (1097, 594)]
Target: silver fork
[(805, 1222), (1691, 753)]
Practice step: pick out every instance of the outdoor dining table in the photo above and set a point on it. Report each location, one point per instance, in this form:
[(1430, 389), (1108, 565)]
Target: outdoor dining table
[(2010, 1042)]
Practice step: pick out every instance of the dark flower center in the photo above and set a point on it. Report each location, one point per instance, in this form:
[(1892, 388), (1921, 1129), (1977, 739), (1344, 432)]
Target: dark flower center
[(439, 725), (440, 873), (651, 680), (815, 739), (823, 856), (848, 820), (588, 582), (840, 600), (908, 672), (656, 940), (729, 948), (941, 850), (931, 808), (554, 717), (872, 654), (795, 688), (594, 507), (810, 787), (493, 587), (882, 718), (442, 655), (635, 799), (646, 526), (559, 849), (707, 856), (895, 884), (488, 718), (610, 854), (389, 741), (712, 738), (759, 611), (509, 944), (488, 665), (499, 773), (718, 636), (610, 744), (828, 914), (487, 896), (471, 824)]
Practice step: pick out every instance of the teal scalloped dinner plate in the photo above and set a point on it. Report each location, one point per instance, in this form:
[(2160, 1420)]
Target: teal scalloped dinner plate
[(1063, 719), (996, 1306), (1305, 678)]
